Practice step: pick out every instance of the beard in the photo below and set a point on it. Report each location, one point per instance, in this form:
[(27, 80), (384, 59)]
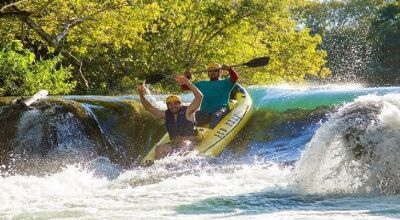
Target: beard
[(214, 78), (174, 110)]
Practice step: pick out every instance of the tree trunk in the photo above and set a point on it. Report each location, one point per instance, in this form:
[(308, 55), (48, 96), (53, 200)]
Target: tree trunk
[(25, 18)]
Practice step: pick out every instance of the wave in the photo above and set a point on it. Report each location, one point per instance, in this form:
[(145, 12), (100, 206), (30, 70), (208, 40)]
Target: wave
[(61, 131), (356, 150)]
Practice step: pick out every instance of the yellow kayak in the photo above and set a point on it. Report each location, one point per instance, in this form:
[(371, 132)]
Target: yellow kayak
[(213, 141)]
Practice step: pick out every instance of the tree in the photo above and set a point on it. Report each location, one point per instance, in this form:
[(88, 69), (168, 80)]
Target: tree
[(52, 21), (193, 33), (113, 44), (22, 74), (385, 31), (346, 28)]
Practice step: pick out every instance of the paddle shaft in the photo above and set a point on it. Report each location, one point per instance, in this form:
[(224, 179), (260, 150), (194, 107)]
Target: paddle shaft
[(257, 62), (205, 70)]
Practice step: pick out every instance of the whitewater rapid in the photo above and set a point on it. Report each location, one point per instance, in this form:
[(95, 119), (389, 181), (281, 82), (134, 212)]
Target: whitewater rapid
[(163, 190), (309, 153), (356, 151)]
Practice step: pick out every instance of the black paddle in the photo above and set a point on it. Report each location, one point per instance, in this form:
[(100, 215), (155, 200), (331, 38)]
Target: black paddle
[(256, 62)]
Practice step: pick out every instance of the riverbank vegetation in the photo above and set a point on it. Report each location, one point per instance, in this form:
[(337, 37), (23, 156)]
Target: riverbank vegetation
[(110, 46), (361, 38)]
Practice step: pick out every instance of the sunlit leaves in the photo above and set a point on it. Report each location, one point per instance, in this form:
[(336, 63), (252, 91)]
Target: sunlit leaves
[(22, 74), (120, 42), (357, 37)]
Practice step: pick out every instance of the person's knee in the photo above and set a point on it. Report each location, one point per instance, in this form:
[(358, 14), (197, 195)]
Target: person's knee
[(162, 151), (161, 147)]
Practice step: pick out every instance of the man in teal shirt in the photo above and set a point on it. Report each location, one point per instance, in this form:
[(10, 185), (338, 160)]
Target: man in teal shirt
[(216, 94)]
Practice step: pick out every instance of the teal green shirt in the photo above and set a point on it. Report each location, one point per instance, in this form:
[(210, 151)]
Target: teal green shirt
[(215, 94)]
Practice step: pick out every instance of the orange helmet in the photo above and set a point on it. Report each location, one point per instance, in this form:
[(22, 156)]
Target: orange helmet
[(173, 98), (213, 66)]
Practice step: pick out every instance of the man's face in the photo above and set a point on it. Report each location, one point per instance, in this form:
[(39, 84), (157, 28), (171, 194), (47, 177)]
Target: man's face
[(174, 107), (214, 74)]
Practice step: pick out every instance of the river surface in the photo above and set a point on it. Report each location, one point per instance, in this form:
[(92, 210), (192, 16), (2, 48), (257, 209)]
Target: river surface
[(326, 152)]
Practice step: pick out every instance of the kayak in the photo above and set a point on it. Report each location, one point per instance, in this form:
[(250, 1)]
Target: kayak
[(213, 141)]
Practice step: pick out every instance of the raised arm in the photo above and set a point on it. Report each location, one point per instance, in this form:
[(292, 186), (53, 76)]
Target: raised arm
[(148, 106), (198, 96), (232, 73), (188, 75)]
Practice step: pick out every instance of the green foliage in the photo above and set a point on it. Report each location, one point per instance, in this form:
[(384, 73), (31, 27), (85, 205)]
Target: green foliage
[(325, 16), (21, 74), (193, 33), (386, 32), (360, 37), (120, 42)]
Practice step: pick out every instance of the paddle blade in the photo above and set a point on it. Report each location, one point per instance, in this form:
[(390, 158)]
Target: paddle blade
[(154, 78), (261, 61)]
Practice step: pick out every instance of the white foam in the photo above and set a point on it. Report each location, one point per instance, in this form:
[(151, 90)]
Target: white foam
[(158, 189), (303, 87), (329, 165)]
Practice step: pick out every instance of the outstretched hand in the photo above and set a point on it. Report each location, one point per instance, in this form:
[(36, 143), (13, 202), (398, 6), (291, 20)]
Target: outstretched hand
[(141, 89), (182, 80)]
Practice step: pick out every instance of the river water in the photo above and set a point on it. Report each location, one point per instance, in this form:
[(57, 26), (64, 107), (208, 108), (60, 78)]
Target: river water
[(326, 152)]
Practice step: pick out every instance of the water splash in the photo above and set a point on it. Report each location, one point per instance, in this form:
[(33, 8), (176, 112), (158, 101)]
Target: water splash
[(242, 182), (356, 151), (157, 103)]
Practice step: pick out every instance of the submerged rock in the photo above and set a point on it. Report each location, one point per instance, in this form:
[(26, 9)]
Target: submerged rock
[(53, 133), (355, 151)]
